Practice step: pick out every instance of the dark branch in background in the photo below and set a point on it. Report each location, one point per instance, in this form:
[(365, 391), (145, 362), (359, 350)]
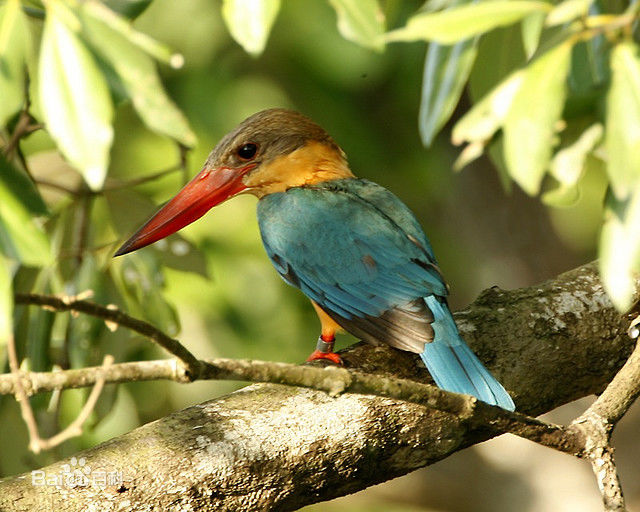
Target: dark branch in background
[(112, 184), (112, 314), (83, 191), (25, 126), (270, 447)]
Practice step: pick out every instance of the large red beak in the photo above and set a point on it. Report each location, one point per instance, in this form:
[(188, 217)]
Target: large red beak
[(207, 189)]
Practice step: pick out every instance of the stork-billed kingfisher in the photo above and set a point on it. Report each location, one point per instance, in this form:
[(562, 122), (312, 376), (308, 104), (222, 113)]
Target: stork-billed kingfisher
[(349, 244)]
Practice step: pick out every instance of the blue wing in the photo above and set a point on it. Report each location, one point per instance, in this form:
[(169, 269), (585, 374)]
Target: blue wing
[(356, 250), (359, 253)]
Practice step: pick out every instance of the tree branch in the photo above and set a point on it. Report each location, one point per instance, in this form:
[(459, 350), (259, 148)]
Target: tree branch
[(597, 424), (331, 380), (270, 447), (115, 316)]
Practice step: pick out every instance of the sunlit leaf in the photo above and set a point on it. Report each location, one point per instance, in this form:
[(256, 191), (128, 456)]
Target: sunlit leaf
[(74, 98), (446, 70), (250, 22), (567, 11), (14, 48), (137, 75), (620, 248), (623, 120), (568, 164), (532, 27), (20, 238), (361, 21), (487, 115), (460, 23), (470, 153), (529, 126), (155, 49)]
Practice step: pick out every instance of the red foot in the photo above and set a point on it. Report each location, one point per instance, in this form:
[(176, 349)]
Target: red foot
[(331, 356)]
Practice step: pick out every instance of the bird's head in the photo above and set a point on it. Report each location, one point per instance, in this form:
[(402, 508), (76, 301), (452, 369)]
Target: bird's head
[(270, 151)]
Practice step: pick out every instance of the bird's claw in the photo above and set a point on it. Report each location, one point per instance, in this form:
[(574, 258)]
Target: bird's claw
[(324, 350), (329, 356)]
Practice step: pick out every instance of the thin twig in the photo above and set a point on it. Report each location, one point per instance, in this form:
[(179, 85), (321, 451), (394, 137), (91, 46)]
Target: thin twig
[(112, 184), (118, 185), (42, 382), (21, 396), (599, 452), (171, 345), (25, 124), (74, 429), (330, 379), (81, 227), (21, 129), (59, 187), (183, 151)]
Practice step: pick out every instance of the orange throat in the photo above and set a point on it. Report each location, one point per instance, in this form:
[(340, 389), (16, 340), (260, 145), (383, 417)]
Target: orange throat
[(313, 163)]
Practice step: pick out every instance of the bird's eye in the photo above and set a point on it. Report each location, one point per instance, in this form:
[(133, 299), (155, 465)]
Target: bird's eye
[(247, 151)]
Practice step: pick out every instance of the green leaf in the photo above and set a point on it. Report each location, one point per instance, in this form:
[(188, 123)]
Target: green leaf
[(460, 23), (623, 120), (250, 21), (140, 280), (74, 97), (128, 8), (22, 187), (501, 54), (529, 126), (446, 70), (619, 249), (487, 116), (361, 21), (532, 27), (20, 238), (567, 11), (15, 45), (589, 70), (137, 75), (6, 301)]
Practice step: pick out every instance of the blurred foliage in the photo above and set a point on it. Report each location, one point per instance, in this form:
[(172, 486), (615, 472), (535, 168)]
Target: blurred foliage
[(94, 102)]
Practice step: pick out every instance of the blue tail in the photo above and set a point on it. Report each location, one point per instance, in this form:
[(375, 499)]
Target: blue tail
[(454, 366)]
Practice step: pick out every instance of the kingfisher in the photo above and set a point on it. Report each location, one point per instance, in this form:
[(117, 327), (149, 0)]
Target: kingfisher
[(351, 246)]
